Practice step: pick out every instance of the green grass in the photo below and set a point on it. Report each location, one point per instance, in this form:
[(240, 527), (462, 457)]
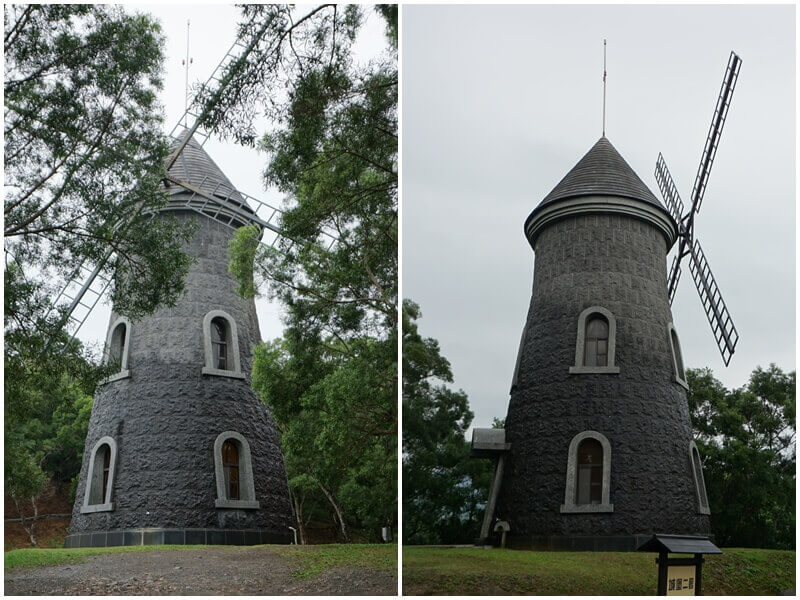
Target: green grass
[(41, 557), (474, 571), (312, 560)]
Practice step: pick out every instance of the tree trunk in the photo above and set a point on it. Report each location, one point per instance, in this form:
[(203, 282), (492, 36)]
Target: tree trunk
[(298, 512), (342, 525), (30, 530)]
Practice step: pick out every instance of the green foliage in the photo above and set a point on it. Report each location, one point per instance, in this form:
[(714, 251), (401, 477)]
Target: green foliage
[(331, 382), (444, 490), (316, 559), (475, 571), (84, 152), (41, 557), (746, 438), (338, 424)]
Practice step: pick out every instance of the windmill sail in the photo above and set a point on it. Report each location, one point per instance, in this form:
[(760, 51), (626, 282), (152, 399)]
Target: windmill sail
[(668, 190), (724, 330), (715, 131)]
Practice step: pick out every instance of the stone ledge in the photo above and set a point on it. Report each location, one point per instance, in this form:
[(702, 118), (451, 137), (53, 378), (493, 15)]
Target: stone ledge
[(116, 376), (221, 373), (93, 508), (158, 536), (225, 503), (583, 370), (586, 508)]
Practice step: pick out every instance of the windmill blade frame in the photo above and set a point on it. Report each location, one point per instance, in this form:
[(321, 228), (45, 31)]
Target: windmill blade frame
[(719, 318), (668, 190), (673, 278), (715, 131)]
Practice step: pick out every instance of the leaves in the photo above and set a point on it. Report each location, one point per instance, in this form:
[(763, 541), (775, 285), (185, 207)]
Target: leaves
[(444, 490), (84, 151), (746, 437)]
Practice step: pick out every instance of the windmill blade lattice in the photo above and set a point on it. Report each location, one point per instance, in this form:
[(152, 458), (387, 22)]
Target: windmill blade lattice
[(719, 318), (715, 131), (668, 190), (716, 311), (673, 278)]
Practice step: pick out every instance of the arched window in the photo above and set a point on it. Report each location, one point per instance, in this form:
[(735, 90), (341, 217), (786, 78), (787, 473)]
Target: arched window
[(234, 472), (100, 477), (588, 483), (221, 345), (117, 346), (596, 342), (677, 356), (220, 337), (699, 483), (230, 468)]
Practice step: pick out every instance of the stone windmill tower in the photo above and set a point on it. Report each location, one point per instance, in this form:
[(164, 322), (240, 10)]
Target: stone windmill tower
[(180, 449), (597, 451)]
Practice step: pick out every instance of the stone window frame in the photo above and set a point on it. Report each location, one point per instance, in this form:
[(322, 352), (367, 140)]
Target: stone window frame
[(703, 509), (675, 370), (123, 371), (208, 369), (247, 492), (107, 504), (581, 341), (605, 505)]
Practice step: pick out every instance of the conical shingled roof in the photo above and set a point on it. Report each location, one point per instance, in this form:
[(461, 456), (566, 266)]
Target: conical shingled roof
[(195, 166), (601, 172)]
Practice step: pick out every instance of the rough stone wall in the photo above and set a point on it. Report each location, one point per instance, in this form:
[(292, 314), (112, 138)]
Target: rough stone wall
[(166, 416), (616, 262)]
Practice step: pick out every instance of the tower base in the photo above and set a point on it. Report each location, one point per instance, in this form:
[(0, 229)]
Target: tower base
[(579, 543), (157, 536)]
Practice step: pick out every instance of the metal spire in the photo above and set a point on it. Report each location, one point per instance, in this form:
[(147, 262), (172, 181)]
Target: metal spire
[(604, 87), (186, 64)]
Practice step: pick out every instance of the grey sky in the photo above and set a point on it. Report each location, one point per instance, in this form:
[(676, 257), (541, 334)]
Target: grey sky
[(213, 31), (499, 102)]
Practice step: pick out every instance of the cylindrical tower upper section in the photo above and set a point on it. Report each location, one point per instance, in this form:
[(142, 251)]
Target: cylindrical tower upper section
[(601, 183)]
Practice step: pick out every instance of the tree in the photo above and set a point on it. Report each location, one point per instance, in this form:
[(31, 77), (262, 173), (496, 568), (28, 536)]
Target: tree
[(338, 427), (444, 490), (84, 154), (83, 162), (746, 437), (332, 149)]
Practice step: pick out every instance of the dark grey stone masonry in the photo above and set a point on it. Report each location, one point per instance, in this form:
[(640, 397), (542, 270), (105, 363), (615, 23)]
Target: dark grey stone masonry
[(613, 258), (166, 416)]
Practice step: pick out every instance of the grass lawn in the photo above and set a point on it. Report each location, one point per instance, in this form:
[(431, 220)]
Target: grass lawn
[(474, 571), (313, 559), (41, 557)]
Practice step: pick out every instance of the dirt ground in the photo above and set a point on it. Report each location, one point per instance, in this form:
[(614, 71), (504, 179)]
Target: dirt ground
[(201, 572)]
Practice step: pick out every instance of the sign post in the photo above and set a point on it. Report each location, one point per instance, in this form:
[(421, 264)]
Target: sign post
[(679, 576)]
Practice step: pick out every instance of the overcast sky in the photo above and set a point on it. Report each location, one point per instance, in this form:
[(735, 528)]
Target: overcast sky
[(500, 102), (212, 32)]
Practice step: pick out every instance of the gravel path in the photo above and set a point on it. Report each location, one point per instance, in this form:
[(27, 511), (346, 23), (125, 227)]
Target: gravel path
[(205, 571)]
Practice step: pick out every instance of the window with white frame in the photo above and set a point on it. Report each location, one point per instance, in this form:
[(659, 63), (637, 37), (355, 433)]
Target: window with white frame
[(595, 346), (699, 483), (588, 482), (221, 345), (677, 356), (100, 476), (233, 469), (117, 348)]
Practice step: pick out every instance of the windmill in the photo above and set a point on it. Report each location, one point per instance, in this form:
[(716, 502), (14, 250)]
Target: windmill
[(716, 311), (88, 283)]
